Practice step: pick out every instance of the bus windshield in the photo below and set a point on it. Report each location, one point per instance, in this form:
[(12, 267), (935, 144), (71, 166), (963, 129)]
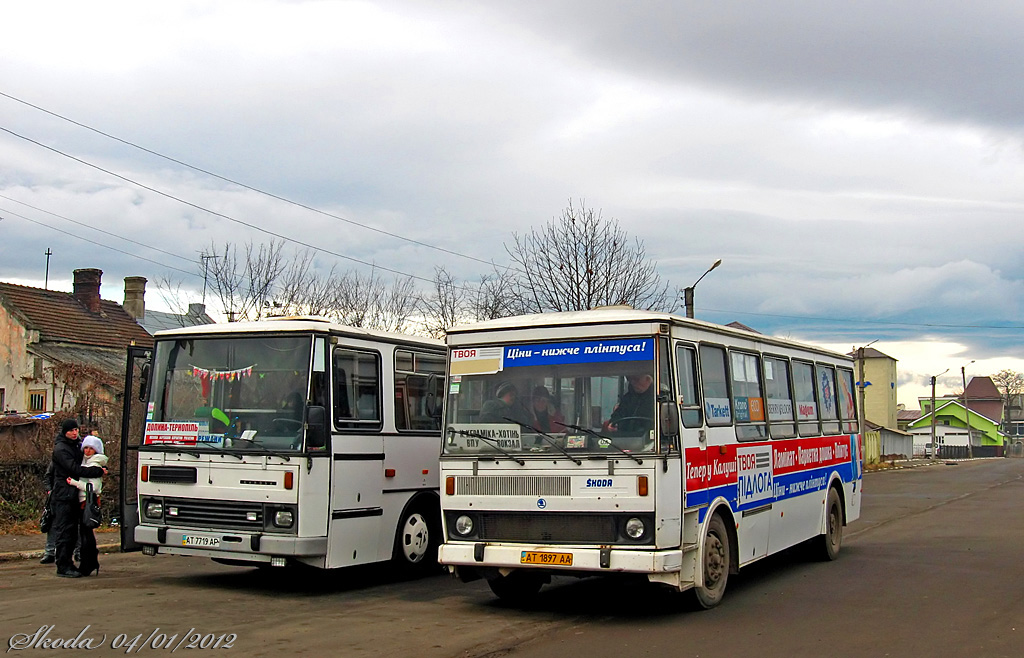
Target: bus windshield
[(596, 396), (237, 393)]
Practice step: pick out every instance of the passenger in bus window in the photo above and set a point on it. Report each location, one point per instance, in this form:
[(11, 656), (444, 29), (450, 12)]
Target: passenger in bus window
[(635, 411), (504, 407), (546, 415)]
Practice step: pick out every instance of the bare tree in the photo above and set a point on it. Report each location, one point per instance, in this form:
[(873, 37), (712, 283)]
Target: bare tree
[(174, 295), (451, 302), (369, 301), (444, 306), (245, 287), (304, 291), (1011, 384), (580, 260)]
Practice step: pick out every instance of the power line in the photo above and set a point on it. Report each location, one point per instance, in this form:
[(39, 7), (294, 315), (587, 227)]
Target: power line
[(214, 212), (93, 228), (98, 244), (245, 186)]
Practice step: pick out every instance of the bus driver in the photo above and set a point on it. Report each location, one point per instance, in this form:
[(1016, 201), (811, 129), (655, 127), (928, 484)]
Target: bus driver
[(635, 412)]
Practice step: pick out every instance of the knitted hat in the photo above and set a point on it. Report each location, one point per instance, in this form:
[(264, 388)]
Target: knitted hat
[(68, 425), (93, 442)]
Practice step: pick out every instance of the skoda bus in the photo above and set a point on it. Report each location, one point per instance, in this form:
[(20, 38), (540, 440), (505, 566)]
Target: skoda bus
[(291, 441), (622, 441)]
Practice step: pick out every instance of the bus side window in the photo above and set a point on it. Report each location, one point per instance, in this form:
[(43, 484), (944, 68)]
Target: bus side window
[(779, 397), (806, 402), (747, 401), (829, 408), (419, 390), (689, 398), (356, 389), (847, 405), (715, 386)]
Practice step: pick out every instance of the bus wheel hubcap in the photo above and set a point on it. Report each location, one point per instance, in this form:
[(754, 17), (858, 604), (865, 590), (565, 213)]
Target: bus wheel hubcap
[(415, 537)]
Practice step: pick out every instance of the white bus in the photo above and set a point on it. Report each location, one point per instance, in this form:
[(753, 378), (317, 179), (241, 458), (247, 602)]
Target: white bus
[(292, 440), (622, 441)]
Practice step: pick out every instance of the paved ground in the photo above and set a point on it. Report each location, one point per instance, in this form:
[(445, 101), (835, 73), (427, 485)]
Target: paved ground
[(21, 546), (17, 547)]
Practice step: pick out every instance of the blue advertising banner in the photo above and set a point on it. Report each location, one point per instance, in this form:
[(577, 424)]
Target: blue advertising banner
[(630, 349)]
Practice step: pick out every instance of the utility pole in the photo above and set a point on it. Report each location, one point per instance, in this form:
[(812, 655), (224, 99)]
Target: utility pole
[(967, 409), (934, 445), (861, 385)]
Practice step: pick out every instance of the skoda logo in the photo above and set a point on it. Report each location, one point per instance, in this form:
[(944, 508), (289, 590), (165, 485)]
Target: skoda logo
[(541, 503)]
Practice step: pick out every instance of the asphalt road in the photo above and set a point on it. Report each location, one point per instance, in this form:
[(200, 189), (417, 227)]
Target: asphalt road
[(933, 568)]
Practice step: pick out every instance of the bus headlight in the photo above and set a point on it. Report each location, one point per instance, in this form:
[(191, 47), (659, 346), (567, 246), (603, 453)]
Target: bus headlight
[(635, 528), (283, 518), (154, 509), (464, 525)]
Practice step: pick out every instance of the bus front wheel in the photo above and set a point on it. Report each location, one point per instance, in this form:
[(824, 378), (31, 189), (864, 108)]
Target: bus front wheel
[(518, 587), (715, 564)]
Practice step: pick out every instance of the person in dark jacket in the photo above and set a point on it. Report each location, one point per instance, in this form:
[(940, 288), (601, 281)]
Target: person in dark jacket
[(635, 411), (50, 551), (67, 513)]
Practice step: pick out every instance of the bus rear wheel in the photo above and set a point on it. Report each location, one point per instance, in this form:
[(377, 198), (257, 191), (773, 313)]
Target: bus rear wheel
[(831, 541), (715, 564), (416, 542), (518, 587)]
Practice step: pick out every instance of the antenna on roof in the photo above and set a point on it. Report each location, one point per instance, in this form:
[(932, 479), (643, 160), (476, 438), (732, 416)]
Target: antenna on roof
[(46, 279)]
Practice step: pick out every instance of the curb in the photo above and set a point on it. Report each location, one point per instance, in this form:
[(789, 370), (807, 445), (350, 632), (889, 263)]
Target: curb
[(38, 553)]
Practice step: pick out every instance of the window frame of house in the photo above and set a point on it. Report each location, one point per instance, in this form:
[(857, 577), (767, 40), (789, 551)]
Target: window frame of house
[(36, 393)]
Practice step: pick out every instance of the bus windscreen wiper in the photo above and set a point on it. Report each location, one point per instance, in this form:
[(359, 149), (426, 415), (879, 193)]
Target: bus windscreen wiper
[(262, 448), (490, 442), (608, 439), (547, 437)]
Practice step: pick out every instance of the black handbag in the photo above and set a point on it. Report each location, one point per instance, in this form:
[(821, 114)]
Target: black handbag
[(92, 515), (46, 520)]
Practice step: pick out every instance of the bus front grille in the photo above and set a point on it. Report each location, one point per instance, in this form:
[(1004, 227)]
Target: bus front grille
[(550, 528), (512, 485), (213, 514)]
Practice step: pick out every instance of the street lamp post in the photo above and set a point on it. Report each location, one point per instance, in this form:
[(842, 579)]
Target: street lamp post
[(688, 292), (967, 409), (934, 446)]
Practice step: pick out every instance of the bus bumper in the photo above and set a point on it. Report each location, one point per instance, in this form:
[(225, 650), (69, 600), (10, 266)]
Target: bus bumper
[(589, 559), (250, 547)]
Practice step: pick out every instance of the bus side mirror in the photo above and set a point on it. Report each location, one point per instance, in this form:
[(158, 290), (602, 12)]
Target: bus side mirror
[(144, 381), (669, 419), (316, 427)]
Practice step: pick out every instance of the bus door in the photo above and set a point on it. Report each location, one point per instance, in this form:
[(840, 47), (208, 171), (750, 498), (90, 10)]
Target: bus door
[(357, 458), (133, 422), (696, 476)]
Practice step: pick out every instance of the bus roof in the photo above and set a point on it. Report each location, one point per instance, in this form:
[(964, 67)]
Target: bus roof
[(297, 324), (613, 315)]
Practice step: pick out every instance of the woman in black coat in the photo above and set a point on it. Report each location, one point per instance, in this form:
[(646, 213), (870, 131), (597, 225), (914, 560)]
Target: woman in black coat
[(67, 513)]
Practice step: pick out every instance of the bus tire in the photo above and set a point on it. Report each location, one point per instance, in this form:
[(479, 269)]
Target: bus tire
[(714, 563), (831, 540), (518, 587), (416, 540)]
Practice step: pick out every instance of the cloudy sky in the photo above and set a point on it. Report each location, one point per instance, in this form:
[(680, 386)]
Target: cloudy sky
[(858, 167)]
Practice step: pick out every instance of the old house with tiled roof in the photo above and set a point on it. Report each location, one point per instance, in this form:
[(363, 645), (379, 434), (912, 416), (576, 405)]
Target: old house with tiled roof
[(59, 350)]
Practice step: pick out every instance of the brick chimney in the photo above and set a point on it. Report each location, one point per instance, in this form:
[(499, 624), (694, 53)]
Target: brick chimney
[(135, 296), (87, 288)]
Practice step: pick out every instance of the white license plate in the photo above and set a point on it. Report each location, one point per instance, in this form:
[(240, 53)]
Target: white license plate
[(200, 542)]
